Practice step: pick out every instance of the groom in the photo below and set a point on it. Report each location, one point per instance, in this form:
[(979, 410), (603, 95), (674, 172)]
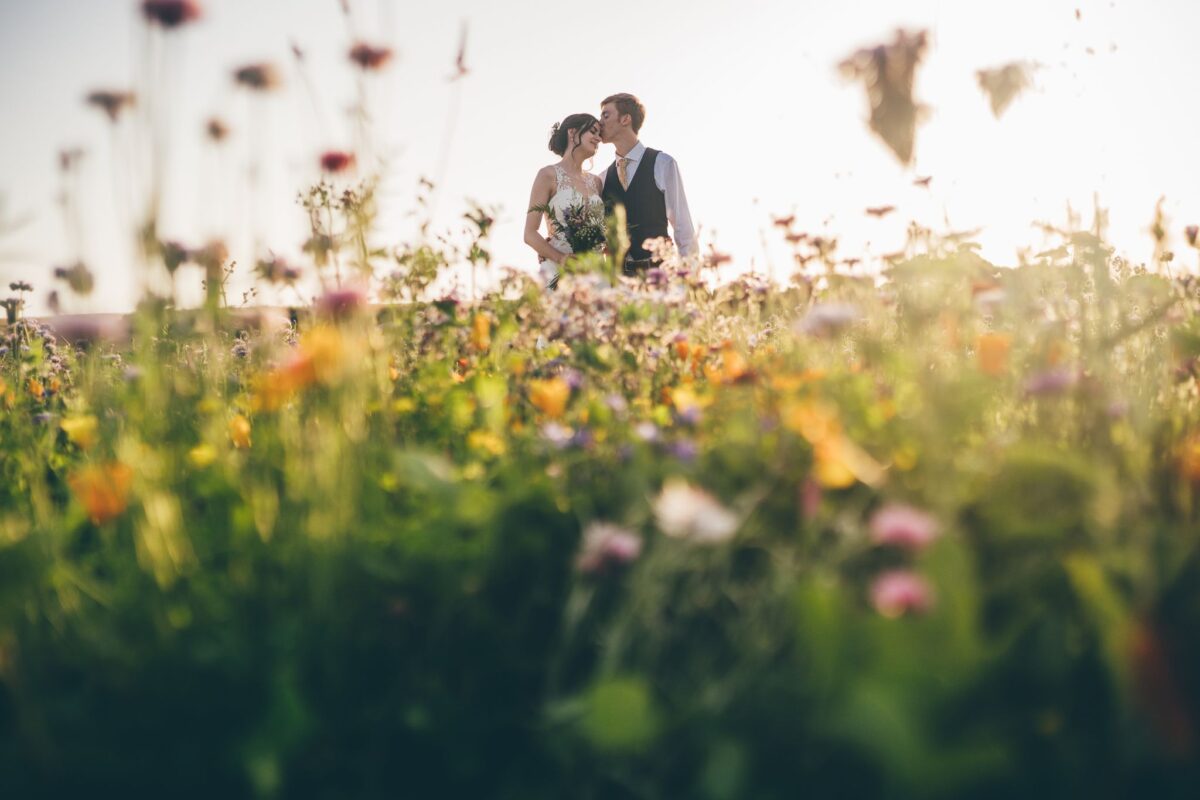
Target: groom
[(645, 181)]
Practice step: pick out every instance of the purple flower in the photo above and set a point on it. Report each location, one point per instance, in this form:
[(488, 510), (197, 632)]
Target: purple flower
[(616, 403), (342, 303), (899, 592), (826, 318), (902, 526), (42, 417), (606, 546), (656, 276), (683, 449), (1051, 382), (573, 377)]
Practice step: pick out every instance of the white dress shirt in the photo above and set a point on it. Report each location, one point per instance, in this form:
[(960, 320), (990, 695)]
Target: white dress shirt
[(666, 178)]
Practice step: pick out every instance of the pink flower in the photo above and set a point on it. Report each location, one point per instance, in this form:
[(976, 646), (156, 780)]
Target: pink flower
[(902, 526), (171, 13), (606, 546), (899, 592), (342, 303)]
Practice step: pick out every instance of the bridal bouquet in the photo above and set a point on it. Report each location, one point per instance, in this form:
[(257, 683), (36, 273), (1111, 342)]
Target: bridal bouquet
[(582, 225)]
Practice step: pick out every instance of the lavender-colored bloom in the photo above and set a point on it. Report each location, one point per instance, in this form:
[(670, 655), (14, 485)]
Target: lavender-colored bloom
[(42, 417), (656, 276), (616, 403), (582, 439), (1054, 381), (683, 449), (240, 349), (573, 377), (3, 350), (132, 373), (690, 415), (826, 318), (1118, 409)]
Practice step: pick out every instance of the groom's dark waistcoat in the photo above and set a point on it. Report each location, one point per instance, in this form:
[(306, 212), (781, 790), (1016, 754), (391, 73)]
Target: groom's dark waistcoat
[(645, 205)]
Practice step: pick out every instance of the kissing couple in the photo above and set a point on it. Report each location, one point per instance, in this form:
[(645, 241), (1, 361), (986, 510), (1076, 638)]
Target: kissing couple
[(574, 203)]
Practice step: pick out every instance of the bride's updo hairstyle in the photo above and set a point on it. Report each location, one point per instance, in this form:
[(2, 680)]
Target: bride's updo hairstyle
[(570, 129)]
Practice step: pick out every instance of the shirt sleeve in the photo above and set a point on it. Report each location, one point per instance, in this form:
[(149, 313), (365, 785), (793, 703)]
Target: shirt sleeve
[(666, 177)]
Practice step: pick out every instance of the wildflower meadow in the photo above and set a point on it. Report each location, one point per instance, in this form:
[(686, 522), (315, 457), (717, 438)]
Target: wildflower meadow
[(930, 531)]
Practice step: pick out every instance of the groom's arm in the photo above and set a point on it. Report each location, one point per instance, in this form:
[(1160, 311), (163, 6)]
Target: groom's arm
[(666, 175)]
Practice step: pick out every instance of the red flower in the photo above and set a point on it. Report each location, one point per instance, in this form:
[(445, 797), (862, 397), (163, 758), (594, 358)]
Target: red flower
[(171, 13), (369, 57), (336, 161)]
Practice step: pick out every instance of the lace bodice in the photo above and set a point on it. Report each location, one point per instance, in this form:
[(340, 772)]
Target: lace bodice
[(567, 194)]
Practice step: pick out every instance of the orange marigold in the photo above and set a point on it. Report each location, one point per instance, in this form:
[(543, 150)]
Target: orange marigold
[(103, 490), (550, 396), (991, 350)]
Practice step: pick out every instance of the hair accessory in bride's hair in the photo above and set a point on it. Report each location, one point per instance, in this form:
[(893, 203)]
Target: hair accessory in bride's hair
[(554, 128)]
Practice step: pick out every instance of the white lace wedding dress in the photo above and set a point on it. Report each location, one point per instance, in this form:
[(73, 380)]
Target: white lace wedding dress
[(567, 194)]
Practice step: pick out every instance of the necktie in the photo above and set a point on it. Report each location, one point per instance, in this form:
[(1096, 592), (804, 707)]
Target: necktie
[(621, 162)]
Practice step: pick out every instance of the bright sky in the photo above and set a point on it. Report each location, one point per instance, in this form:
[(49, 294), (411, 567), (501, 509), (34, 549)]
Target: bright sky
[(744, 93)]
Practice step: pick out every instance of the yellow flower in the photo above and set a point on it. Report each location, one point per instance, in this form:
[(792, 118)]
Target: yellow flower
[(815, 421), (481, 332), (80, 430), (487, 442), (36, 388), (550, 396), (239, 432), (103, 490), (684, 398), (202, 455), (839, 462), (991, 350)]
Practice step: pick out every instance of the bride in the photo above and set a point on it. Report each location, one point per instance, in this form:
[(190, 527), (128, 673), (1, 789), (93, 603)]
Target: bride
[(560, 186)]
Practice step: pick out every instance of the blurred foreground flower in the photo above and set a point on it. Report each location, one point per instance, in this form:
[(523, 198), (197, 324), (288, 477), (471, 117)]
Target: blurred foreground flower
[(550, 396), (78, 277), (112, 103), (103, 490), (887, 71), (171, 13), (259, 77), (1003, 84), (991, 351), (80, 430), (826, 318), (239, 432), (481, 332), (370, 58), (606, 546), (684, 512), (899, 592), (342, 303), (1051, 382), (903, 526), (202, 455), (337, 161)]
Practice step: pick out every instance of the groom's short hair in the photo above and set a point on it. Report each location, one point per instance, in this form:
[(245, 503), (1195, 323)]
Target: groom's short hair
[(628, 104)]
